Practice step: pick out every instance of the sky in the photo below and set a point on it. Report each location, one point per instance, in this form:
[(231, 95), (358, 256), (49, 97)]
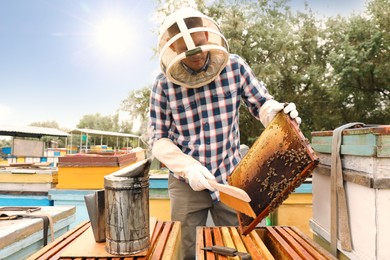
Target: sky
[(63, 59)]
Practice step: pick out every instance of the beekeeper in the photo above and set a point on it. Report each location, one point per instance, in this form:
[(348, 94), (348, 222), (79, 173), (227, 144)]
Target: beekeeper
[(194, 116)]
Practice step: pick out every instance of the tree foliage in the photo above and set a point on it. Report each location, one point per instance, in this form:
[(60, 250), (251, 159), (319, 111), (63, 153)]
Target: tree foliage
[(99, 122), (5, 142), (359, 55), (137, 105), (51, 139), (48, 124), (336, 69)]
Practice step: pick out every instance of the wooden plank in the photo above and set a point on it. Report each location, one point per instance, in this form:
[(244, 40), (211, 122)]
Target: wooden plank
[(154, 238), (239, 244), (85, 246), (319, 249), (159, 250), (294, 244), (200, 243), (360, 150), (281, 244), (218, 240), (306, 245), (209, 242), (56, 248), (384, 146), (362, 144), (152, 225), (367, 139), (52, 250), (353, 176), (228, 241), (268, 243), (172, 246), (251, 247), (321, 148), (21, 177), (266, 254)]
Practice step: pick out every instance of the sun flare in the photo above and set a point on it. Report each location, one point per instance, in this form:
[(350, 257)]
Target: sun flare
[(114, 36)]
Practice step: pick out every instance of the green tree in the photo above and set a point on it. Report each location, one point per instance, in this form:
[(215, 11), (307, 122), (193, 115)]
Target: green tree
[(137, 102), (50, 140), (99, 122), (336, 70), (137, 106), (284, 52), (359, 57), (5, 142), (48, 124)]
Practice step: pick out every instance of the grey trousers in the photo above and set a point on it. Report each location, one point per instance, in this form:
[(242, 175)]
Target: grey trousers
[(191, 208)]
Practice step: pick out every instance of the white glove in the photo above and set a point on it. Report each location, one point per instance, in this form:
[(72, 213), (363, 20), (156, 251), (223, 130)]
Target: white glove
[(196, 175), (291, 109), (270, 108)]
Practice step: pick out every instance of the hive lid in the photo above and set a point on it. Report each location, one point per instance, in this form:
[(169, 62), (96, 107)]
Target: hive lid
[(366, 129), (369, 140)]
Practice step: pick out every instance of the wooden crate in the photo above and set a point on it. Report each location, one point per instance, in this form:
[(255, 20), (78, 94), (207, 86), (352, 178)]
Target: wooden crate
[(276, 242), (165, 244), (365, 155)]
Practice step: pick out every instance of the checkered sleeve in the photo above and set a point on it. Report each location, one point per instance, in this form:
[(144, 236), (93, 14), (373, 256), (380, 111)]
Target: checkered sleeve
[(159, 112), (254, 94)]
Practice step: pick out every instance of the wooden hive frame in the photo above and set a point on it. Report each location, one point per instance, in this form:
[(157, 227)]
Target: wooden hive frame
[(277, 163), (280, 242)]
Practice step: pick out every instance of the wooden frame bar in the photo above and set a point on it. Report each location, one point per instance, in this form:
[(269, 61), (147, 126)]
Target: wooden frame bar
[(165, 244), (276, 242)]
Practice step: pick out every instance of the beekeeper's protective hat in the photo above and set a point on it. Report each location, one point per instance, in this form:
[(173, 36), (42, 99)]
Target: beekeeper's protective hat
[(179, 26)]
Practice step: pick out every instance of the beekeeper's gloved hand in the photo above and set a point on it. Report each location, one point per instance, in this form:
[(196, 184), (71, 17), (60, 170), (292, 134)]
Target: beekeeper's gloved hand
[(196, 175), (270, 108)]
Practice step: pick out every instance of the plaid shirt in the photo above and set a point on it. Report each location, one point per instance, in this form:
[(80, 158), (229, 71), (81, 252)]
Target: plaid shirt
[(203, 122)]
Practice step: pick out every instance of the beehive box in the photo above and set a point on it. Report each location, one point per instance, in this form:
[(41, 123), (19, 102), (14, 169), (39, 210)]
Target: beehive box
[(22, 236), (365, 154), (20, 179), (87, 171)]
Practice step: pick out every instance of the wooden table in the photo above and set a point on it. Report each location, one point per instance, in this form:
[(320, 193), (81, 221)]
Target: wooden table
[(79, 243), (276, 242)]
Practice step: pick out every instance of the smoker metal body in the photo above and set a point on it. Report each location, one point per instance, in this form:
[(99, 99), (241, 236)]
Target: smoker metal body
[(97, 214), (119, 214), (127, 209)]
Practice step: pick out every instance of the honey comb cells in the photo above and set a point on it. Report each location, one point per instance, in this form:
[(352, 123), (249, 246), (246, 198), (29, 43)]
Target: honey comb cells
[(277, 163)]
